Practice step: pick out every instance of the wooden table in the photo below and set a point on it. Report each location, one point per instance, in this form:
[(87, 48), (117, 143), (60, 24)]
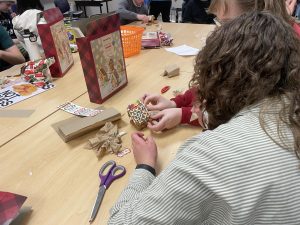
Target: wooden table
[(61, 179), (68, 88)]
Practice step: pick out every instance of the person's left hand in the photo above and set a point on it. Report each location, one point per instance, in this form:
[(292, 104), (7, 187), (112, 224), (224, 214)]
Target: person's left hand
[(13, 14), (290, 6), (165, 119), (144, 149)]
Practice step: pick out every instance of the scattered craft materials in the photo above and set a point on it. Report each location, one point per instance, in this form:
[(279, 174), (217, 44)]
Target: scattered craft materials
[(138, 114), (164, 89), (107, 140), (150, 39), (78, 110), (165, 39), (150, 19), (124, 152), (37, 72), (75, 126), (171, 71)]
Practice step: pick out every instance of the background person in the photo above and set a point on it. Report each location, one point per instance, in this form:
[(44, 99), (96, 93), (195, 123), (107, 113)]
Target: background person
[(6, 18), (179, 110), (291, 6), (194, 11), (132, 10), (229, 9), (162, 7), (9, 52)]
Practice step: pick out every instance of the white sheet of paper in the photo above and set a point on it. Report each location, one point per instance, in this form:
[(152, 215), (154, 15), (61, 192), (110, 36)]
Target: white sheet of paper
[(183, 50)]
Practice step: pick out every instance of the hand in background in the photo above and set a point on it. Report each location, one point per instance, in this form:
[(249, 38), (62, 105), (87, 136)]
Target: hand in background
[(143, 18), (155, 102), (144, 149), (166, 119), (13, 14), (290, 6)]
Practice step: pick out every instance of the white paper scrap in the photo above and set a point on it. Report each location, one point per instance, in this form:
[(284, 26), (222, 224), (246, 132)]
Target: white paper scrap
[(78, 110), (184, 50)]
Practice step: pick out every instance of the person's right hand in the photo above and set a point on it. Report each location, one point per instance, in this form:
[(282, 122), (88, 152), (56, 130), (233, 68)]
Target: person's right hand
[(143, 18), (144, 149), (165, 119), (155, 102)]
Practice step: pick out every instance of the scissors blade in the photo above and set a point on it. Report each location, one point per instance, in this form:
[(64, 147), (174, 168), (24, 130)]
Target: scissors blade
[(98, 201)]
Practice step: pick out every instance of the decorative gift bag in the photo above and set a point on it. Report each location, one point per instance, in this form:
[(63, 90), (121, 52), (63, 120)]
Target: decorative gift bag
[(55, 41), (102, 58)]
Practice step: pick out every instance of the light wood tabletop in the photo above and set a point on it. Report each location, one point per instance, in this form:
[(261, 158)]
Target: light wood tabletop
[(61, 179), (67, 88)]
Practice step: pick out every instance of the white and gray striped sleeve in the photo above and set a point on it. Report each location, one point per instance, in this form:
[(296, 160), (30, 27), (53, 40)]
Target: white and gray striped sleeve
[(234, 174), (174, 197)]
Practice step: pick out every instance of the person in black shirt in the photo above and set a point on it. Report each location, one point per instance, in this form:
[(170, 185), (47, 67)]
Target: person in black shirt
[(194, 11), (5, 17)]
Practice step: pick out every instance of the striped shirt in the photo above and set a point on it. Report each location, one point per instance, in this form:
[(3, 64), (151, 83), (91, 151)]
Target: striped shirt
[(234, 174)]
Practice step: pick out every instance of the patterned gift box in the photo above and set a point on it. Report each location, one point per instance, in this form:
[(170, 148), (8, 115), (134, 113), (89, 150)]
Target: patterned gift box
[(138, 114), (102, 58), (55, 41)]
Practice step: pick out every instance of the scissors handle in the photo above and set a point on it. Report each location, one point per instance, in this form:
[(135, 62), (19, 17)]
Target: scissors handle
[(114, 172)]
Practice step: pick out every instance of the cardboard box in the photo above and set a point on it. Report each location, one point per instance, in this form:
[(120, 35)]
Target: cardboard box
[(150, 40), (74, 127)]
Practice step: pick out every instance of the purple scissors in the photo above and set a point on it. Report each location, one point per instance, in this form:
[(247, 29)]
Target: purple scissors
[(113, 172)]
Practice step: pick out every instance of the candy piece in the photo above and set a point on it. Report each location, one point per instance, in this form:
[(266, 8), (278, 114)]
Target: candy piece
[(165, 89)]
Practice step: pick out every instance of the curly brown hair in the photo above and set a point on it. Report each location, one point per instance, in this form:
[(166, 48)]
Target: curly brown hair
[(253, 59)]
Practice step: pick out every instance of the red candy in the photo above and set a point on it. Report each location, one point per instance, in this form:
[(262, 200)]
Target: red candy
[(165, 89)]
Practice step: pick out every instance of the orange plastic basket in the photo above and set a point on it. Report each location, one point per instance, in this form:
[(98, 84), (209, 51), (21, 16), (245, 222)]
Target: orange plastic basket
[(132, 40)]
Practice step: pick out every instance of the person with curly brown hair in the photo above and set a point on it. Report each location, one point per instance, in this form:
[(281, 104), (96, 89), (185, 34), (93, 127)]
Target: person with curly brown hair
[(178, 110), (245, 168), (228, 9)]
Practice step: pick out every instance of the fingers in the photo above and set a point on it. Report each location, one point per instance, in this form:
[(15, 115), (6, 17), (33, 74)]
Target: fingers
[(149, 99), (143, 98), (151, 102), (157, 126), (137, 136), (150, 139), (159, 122), (157, 116), (151, 107)]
